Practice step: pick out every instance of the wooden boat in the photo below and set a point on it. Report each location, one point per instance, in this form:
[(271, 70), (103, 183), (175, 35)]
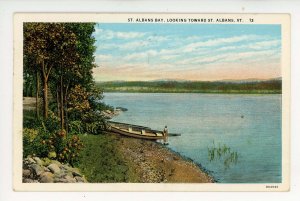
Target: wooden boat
[(135, 131)]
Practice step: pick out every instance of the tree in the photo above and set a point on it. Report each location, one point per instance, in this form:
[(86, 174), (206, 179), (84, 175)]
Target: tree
[(62, 56), (41, 43), (76, 65)]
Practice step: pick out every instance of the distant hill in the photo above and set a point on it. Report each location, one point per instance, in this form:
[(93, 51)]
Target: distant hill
[(170, 86)]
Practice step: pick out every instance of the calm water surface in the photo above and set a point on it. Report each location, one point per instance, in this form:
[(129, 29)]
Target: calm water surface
[(248, 124)]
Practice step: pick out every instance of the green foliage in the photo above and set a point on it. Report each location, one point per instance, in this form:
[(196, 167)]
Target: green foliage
[(76, 127), (94, 122), (60, 56), (68, 148), (100, 161), (29, 134), (51, 123), (42, 143), (29, 119), (33, 142), (79, 107), (78, 103)]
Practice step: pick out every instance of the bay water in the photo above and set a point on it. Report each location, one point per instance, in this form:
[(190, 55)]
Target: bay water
[(249, 125)]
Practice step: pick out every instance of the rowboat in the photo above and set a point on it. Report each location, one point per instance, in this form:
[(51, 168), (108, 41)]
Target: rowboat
[(135, 131)]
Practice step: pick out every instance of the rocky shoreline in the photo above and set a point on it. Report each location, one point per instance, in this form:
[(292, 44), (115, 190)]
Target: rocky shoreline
[(37, 170), (152, 162)]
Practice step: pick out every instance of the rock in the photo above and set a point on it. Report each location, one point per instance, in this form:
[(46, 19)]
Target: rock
[(31, 161), (123, 109), (60, 180), (47, 177), (46, 169), (28, 180), (26, 173), (80, 179), (75, 172), (176, 158), (57, 163), (38, 160), (70, 179), (54, 168), (37, 170)]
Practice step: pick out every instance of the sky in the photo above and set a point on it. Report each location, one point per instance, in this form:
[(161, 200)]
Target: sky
[(202, 52)]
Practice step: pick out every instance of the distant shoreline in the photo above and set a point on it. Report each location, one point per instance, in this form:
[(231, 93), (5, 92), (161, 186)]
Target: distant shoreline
[(194, 92), (216, 87)]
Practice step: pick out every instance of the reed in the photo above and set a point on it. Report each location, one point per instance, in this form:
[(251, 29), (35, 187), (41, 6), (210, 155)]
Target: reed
[(222, 153)]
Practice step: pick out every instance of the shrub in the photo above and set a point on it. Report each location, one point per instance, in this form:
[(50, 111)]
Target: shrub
[(93, 123), (52, 122), (34, 142), (71, 150), (75, 127), (40, 142)]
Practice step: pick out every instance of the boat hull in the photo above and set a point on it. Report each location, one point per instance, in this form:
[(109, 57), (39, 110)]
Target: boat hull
[(141, 136)]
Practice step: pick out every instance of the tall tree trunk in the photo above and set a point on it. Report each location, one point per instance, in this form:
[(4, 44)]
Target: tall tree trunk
[(66, 115), (57, 101), (62, 118), (37, 95), (66, 107), (45, 98), (45, 101)]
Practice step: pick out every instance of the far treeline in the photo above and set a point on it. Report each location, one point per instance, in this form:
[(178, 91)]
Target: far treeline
[(247, 87)]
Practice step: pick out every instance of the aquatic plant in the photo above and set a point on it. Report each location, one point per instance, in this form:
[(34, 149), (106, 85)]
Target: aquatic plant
[(222, 153)]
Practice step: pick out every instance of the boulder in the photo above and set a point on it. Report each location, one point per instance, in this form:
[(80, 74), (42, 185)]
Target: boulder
[(31, 161), (70, 179), (57, 163), (27, 180), (47, 177), (54, 168), (80, 179), (37, 170), (38, 161), (26, 173)]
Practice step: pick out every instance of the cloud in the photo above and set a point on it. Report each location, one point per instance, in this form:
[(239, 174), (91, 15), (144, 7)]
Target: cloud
[(141, 55), (218, 42), (106, 34), (156, 38), (265, 44), (145, 55)]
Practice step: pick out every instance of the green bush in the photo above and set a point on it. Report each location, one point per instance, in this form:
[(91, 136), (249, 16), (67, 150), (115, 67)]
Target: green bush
[(52, 123), (93, 123), (33, 142), (40, 142), (76, 127)]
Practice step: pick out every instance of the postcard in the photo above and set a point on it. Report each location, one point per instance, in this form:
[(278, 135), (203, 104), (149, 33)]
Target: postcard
[(151, 102)]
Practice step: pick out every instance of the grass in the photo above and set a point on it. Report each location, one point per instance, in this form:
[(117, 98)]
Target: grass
[(100, 161)]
